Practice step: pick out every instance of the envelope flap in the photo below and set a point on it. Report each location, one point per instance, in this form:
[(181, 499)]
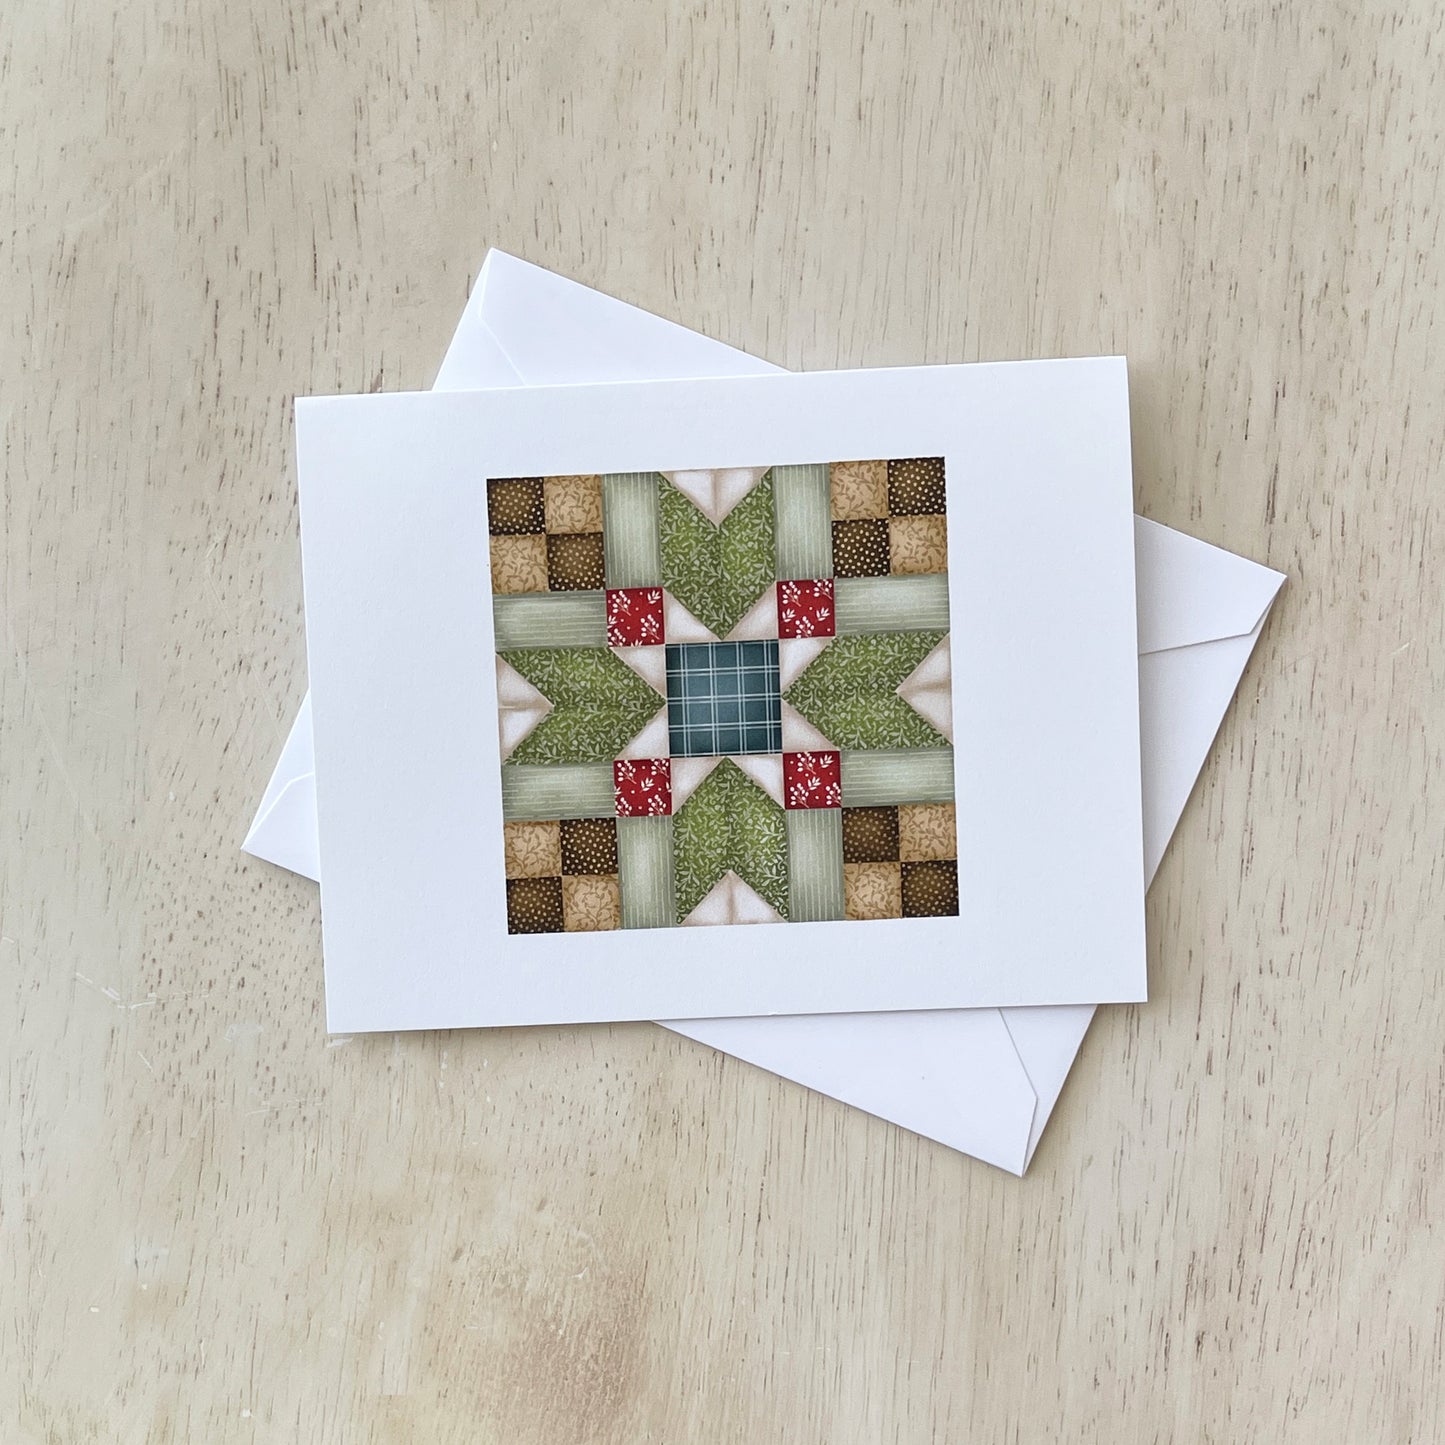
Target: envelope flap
[(558, 332), (1192, 592)]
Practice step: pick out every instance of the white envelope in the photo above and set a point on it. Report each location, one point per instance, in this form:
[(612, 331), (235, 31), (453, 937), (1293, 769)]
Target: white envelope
[(982, 1081)]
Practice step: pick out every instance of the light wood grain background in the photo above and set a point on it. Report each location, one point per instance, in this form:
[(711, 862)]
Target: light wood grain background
[(217, 1224)]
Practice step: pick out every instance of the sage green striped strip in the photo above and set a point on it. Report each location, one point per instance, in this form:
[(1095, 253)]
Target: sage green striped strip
[(815, 864), (550, 619), (537, 791), (644, 872), (918, 775), (632, 551), (891, 604), (803, 522)]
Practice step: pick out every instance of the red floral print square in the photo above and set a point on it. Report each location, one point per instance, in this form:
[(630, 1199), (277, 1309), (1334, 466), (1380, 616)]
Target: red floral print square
[(805, 609), (812, 780), (634, 617), (643, 787)]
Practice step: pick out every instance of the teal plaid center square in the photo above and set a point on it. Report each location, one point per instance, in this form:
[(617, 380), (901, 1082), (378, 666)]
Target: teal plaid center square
[(723, 699)]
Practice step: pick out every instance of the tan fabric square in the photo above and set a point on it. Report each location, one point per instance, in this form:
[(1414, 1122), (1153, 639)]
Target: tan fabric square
[(533, 850), (591, 904), (872, 890), (859, 490), (519, 564), (574, 504), (917, 544), (926, 830)]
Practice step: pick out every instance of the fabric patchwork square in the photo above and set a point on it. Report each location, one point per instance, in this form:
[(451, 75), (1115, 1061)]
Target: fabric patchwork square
[(591, 904), (533, 850), (740, 568), (634, 617), (930, 890), (872, 890), (575, 561), (812, 780), (870, 835), (534, 905), (723, 699), (917, 545), (805, 609), (519, 564), (515, 506), (642, 787), (573, 504), (860, 548), (915, 487), (587, 845), (926, 831), (858, 490)]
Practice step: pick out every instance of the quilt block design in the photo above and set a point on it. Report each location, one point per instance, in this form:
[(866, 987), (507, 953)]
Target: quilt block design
[(562, 876), (753, 664)]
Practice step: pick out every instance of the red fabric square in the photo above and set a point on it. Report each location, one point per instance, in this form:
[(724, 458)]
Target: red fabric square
[(643, 787), (812, 780), (805, 609), (634, 617)]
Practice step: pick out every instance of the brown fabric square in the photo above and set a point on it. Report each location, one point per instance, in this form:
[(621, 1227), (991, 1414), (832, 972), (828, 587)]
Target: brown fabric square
[(858, 490), (930, 890), (860, 549), (917, 545), (589, 845), (519, 564), (515, 506), (872, 890), (915, 487), (591, 904), (533, 850), (573, 504), (926, 830), (870, 835), (534, 905), (575, 562)]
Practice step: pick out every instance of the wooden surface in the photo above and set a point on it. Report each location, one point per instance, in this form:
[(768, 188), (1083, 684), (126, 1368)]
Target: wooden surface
[(217, 1224)]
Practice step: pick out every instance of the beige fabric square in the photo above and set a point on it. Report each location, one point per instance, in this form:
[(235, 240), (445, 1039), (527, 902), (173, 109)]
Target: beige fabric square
[(859, 490), (872, 890), (917, 545), (519, 564), (574, 504), (533, 850), (591, 904), (926, 831)]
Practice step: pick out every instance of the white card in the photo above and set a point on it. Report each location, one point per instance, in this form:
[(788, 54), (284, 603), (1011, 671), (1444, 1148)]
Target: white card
[(1044, 697)]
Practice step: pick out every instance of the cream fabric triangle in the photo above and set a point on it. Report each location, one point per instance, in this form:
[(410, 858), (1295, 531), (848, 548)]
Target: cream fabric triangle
[(730, 900), (760, 620), (520, 707), (799, 735), (796, 655), (687, 776), (649, 663), (716, 493), (679, 625), (654, 741), (928, 689), (766, 770)]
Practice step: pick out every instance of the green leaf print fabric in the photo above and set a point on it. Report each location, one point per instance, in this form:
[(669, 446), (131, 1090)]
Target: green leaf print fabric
[(850, 692), (598, 704), (730, 823), (717, 572)]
